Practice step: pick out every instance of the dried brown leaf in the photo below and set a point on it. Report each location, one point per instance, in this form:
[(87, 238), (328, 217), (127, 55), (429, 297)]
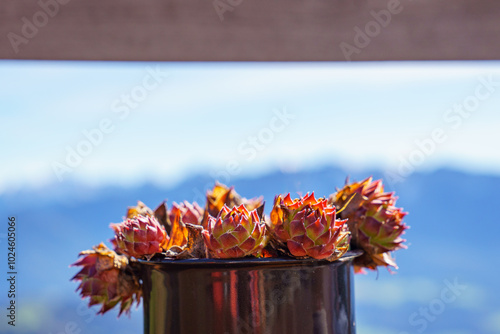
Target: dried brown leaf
[(179, 233), (161, 214)]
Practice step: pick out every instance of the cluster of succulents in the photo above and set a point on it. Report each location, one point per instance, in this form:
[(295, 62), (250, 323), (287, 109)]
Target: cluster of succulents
[(358, 216)]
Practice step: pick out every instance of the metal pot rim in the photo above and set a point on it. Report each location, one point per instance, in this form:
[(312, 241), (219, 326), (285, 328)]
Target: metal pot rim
[(348, 256)]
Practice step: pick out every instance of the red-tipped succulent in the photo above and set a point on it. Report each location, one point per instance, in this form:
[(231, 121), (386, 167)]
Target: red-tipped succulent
[(106, 279), (235, 233), (376, 224), (308, 228), (139, 236)]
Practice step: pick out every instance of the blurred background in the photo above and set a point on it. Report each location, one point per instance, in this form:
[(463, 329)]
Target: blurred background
[(82, 141)]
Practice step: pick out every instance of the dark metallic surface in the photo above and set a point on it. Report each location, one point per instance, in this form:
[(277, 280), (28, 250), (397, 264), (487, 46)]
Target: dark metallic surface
[(258, 296)]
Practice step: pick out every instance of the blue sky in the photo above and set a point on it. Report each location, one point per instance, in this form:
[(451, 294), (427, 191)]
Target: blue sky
[(160, 122)]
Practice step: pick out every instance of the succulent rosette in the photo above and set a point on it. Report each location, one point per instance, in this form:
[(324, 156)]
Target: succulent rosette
[(139, 236), (376, 224), (107, 279), (307, 227), (235, 233)]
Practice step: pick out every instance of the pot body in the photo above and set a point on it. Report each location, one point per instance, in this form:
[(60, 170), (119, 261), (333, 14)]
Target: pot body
[(258, 296)]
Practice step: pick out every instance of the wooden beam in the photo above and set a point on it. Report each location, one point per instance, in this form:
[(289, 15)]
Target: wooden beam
[(250, 30)]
